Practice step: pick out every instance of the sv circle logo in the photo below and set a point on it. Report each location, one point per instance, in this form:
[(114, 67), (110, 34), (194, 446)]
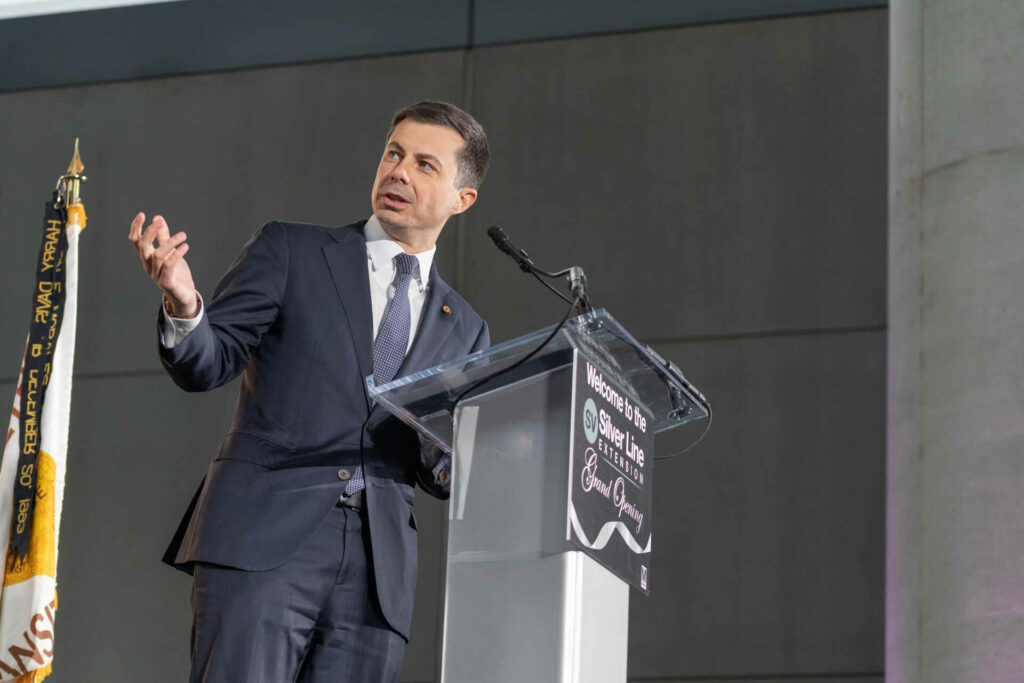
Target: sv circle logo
[(590, 420)]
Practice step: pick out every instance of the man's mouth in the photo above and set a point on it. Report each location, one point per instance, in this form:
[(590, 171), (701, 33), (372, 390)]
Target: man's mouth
[(394, 199)]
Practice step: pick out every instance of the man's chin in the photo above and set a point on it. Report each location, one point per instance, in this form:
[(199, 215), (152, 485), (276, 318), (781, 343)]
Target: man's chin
[(395, 214), (391, 220)]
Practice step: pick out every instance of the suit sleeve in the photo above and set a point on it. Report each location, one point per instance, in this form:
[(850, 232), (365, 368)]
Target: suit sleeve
[(245, 304)]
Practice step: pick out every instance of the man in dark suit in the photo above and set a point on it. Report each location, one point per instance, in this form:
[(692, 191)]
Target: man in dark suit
[(302, 539)]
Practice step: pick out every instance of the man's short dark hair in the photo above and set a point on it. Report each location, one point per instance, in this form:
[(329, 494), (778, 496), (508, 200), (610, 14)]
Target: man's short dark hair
[(474, 156)]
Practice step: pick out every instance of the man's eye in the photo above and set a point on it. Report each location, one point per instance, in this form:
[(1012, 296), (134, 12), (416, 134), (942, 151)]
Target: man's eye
[(427, 165), (391, 154)]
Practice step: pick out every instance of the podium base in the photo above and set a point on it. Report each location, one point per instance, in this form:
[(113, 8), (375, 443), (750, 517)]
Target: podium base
[(562, 618)]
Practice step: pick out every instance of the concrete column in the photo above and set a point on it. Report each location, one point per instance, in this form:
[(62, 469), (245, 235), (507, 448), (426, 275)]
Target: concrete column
[(955, 537)]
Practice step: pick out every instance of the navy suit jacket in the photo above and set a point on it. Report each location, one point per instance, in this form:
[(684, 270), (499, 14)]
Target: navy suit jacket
[(293, 316)]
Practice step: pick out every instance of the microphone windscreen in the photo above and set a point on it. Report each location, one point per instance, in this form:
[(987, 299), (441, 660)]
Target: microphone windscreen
[(497, 234)]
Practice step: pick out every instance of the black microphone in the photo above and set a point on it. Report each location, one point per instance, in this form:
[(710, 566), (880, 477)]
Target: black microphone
[(502, 241)]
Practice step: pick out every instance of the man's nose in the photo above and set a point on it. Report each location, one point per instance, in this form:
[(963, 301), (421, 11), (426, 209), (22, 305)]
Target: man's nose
[(400, 173)]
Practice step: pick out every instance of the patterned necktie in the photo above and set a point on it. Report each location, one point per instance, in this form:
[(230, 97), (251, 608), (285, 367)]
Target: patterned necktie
[(391, 342)]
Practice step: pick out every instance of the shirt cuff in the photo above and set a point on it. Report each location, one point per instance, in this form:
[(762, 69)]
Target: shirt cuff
[(443, 469), (174, 330)]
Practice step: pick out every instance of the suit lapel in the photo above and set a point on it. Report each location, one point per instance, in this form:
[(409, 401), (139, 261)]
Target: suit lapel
[(435, 326), (346, 260)]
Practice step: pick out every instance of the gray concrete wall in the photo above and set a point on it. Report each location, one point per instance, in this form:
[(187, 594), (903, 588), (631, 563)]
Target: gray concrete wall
[(956, 192), (723, 186)]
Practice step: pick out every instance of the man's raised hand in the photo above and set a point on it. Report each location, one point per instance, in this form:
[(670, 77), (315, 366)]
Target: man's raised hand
[(163, 258)]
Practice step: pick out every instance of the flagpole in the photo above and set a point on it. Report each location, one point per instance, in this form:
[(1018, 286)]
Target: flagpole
[(34, 462)]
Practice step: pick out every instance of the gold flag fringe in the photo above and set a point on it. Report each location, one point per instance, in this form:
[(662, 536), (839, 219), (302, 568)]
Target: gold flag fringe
[(37, 675), (76, 214)]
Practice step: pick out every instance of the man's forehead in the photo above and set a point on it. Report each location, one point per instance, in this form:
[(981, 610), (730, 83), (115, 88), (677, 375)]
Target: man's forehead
[(416, 137)]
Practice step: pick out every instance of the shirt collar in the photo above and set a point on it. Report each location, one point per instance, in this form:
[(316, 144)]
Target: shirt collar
[(381, 250)]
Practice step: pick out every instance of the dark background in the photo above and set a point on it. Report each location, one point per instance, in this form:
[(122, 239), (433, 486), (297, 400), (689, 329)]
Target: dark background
[(718, 168)]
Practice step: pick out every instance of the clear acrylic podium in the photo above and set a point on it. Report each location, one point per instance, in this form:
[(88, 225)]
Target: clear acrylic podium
[(521, 602)]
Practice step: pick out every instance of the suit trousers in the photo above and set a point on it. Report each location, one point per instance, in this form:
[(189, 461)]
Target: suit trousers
[(314, 619)]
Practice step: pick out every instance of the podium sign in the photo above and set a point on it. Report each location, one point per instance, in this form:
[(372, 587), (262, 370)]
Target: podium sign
[(611, 468)]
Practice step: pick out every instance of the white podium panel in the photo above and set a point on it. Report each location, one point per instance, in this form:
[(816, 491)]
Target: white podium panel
[(521, 604)]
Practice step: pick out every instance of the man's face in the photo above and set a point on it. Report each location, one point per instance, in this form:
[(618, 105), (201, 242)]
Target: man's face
[(414, 192)]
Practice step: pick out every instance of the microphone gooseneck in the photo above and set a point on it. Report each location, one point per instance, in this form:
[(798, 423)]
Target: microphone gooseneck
[(574, 275)]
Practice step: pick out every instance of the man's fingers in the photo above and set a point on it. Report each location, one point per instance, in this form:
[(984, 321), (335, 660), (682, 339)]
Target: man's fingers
[(162, 231), (162, 254), (167, 244), (166, 251), (156, 231), (169, 262), (145, 243), (136, 230), (147, 252), (174, 257)]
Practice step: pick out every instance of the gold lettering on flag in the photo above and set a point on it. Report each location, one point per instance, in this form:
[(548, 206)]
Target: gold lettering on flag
[(41, 557)]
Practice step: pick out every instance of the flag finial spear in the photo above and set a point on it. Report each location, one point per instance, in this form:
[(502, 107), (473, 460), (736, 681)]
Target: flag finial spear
[(76, 167), (73, 179)]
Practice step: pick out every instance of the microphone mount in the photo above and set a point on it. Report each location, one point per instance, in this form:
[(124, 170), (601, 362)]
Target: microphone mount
[(573, 275)]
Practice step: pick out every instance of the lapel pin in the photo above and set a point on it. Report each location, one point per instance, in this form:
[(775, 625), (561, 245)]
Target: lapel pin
[(447, 310)]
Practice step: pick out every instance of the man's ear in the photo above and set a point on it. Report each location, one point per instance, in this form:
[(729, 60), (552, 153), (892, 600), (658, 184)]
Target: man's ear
[(467, 197)]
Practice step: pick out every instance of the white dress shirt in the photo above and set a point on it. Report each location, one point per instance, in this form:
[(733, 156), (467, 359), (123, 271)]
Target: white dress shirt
[(381, 251)]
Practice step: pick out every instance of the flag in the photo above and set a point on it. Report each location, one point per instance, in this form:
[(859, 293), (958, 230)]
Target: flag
[(36, 445)]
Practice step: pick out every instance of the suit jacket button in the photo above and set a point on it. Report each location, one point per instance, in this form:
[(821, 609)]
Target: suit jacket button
[(370, 429), (344, 474)]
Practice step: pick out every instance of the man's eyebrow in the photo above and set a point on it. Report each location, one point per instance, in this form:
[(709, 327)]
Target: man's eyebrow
[(422, 156), (431, 158)]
